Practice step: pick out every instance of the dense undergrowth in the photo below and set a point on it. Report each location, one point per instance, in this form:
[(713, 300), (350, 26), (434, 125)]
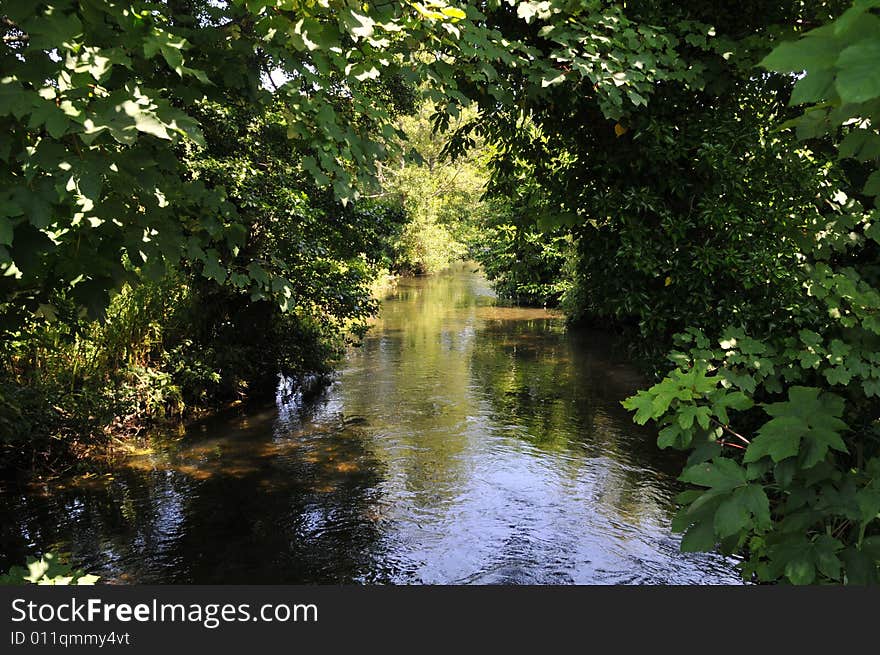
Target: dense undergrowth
[(165, 351)]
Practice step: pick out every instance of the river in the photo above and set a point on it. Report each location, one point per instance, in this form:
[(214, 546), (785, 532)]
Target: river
[(462, 442)]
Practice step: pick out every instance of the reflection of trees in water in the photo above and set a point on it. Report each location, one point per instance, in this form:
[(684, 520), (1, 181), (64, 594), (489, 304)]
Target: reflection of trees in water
[(411, 379), (444, 367), (307, 519), (101, 522), (562, 395), (276, 518)]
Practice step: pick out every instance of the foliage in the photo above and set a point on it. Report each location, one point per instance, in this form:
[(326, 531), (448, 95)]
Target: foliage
[(526, 266), (442, 199), (48, 570), (681, 201), (783, 423), (710, 241), (98, 108)]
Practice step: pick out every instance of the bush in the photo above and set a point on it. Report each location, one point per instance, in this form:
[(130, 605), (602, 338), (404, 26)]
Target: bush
[(525, 266), (163, 350), (781, 417)]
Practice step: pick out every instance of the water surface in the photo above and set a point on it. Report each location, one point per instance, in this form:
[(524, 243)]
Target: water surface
[(462, 442)]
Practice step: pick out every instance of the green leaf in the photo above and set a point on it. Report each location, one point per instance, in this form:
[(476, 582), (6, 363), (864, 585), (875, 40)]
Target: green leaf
[(871, 388), (838, 375), (686, 416), (850, 18), (808, 415), (754, 498), (784, 472), (732, 400), (858, 77), (53, 28), (827, 561), (813, 87), (147, 122), (15, 576), (779, 438), (545, 82), (703, 417), (868, 500), (809, 53), (703, 451), (731, 517), (737, 400), (801, 570), (699, 538), (358, 25), (757, 470), (721, 473), (672, 436), (38, 209), (861, 568), (643, 405), (861, 144), (47, 570), (54, 120), (308, 34), (213, 269), (453, 12)]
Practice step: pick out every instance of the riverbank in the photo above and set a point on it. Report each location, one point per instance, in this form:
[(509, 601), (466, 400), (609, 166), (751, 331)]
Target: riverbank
[(73, 390), (81, 405)]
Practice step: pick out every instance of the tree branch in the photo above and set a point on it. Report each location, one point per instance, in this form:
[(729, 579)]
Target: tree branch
[(730, 430)]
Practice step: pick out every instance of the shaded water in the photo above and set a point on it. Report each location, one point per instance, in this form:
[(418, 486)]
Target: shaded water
[(461, 443)]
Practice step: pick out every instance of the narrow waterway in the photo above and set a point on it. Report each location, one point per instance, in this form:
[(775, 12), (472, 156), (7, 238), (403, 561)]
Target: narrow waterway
[(462, 442)]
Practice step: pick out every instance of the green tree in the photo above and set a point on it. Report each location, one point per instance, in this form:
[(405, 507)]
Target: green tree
[(783, 422), (97, 108), (442, 198)]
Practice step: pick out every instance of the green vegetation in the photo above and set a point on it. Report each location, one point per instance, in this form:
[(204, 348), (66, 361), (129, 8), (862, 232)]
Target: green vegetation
[(198, 196), (438, 196), (48, 570), (797, 402)]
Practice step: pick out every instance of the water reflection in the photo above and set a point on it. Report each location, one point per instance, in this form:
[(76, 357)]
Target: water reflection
[(461, 443)]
